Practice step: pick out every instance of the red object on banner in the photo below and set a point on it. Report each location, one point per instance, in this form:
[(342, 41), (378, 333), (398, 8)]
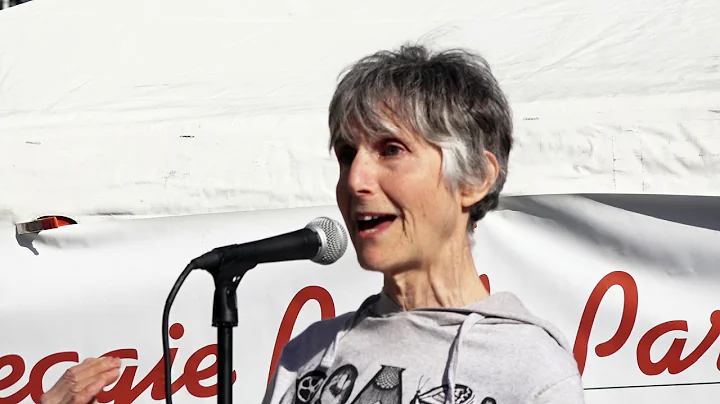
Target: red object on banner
[(44, 223)]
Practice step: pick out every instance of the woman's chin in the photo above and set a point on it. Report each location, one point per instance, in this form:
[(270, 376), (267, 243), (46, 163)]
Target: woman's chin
[(374, 263), (383, 264)]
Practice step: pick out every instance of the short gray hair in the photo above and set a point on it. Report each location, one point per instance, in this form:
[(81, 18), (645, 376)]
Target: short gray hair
[(450, 99)]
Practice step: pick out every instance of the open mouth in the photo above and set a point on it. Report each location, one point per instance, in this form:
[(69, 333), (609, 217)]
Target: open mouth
[(374, 222)]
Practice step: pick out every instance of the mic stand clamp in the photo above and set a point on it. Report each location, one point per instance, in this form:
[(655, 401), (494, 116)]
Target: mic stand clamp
[(227, 276)]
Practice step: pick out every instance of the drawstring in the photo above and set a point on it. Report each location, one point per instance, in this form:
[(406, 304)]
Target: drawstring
[(453, 362)]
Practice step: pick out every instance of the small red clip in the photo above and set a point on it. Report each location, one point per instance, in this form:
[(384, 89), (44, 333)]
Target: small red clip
[(43, 223)]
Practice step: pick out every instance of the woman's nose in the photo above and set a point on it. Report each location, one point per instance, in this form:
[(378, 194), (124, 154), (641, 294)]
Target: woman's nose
[(361, 177)]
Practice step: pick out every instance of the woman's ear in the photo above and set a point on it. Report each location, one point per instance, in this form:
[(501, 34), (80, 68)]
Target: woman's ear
[(472, 194)]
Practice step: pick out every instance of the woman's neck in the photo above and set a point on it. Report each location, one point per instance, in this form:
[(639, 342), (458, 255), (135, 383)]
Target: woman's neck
[(448, 282)]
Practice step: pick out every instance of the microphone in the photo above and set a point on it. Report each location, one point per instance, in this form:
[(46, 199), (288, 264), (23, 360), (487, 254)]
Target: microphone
[(322, 241)]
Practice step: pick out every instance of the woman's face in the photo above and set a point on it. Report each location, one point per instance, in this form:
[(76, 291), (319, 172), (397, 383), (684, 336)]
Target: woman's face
[(396, 205)]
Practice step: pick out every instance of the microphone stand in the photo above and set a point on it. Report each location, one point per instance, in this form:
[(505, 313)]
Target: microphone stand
[(225, 317)]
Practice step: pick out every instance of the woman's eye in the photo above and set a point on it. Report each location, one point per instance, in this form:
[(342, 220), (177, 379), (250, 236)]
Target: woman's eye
[(392, 150)]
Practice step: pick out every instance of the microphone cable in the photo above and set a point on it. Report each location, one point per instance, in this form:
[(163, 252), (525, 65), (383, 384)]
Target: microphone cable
[(166, 327)]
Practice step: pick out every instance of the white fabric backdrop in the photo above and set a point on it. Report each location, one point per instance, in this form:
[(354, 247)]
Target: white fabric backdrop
[(135, 107)]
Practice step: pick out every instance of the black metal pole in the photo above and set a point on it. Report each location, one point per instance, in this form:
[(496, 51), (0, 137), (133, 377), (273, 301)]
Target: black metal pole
[(225, 317), (225, 368)]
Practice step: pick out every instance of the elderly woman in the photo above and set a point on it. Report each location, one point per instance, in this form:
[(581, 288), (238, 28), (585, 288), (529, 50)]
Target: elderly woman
[(422, 141)]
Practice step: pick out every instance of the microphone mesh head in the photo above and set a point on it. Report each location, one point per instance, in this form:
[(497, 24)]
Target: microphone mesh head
[(334, 240)]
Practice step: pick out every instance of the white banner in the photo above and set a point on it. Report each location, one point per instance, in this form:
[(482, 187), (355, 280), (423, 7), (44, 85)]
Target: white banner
[(632, 281)]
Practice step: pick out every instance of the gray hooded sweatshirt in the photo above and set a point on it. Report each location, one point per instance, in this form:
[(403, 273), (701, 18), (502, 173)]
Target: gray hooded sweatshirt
[(490, 352)]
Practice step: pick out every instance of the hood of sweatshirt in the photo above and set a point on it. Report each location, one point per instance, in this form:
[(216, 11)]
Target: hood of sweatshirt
[(498, 308)]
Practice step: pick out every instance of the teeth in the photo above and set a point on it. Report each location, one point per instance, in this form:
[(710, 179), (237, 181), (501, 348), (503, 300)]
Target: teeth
[(366, 218)]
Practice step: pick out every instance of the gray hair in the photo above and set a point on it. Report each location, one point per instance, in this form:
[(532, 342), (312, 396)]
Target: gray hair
[(450, 99)]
